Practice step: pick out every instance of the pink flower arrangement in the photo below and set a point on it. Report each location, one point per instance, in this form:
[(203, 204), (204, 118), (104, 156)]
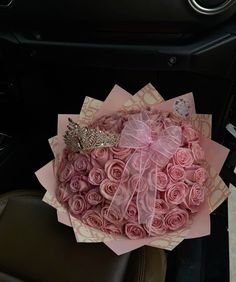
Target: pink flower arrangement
[(135, 167), (151, 183)]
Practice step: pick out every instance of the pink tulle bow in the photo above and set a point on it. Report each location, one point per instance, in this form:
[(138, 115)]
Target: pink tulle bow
[(149, 153)]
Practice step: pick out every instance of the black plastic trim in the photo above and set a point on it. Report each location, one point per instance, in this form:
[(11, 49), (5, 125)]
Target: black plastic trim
[(212, 55)]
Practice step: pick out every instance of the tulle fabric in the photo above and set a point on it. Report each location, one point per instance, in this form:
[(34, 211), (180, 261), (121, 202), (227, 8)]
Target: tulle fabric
[(149, 153)]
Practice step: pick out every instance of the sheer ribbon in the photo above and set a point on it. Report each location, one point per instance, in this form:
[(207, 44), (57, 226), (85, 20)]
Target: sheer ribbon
[(149, 153)]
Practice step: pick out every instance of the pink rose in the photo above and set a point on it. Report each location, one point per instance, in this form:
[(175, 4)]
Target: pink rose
[(93, 218), (112, 228), (146, 202), (63, 193), (72, 156), (176, 193), (93, 197), (155, 125), (96, 176), (76, 205), (155, 226), (137, 183), (155, 115), (160, 121), (183, 157), (189, 134), (105, 122), (115, 170), (82, 164), (198, 152), (114, 123), (176, 218), (79, 183), (135, 231), (122, 195), (200, 175), (138, 160), (159, 160), (112, 215), (175, 172), (170, 121), (100, 155), (66, 173), (108, 189), (132, 213), (190, 209), (121, 153), (161, 207), (196, 195), (68, 155), (189, 174), (158, 179)]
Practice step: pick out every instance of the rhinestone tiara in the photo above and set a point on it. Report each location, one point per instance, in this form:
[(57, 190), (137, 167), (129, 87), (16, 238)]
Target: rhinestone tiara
[(79, 138)]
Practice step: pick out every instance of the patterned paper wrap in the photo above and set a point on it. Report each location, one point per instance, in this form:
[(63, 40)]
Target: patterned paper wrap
[(146, 97)]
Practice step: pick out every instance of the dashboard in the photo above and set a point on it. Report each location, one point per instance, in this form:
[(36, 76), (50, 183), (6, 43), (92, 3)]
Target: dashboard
[(132, 15)]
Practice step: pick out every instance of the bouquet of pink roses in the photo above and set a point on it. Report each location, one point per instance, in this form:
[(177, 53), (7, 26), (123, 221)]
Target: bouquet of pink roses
[(135, 170)]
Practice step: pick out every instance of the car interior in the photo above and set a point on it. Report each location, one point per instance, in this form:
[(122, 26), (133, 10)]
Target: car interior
[(54, 53)]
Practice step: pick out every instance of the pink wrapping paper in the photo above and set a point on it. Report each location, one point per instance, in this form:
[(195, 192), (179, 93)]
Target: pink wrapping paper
[(114, 101), (201, 224)]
